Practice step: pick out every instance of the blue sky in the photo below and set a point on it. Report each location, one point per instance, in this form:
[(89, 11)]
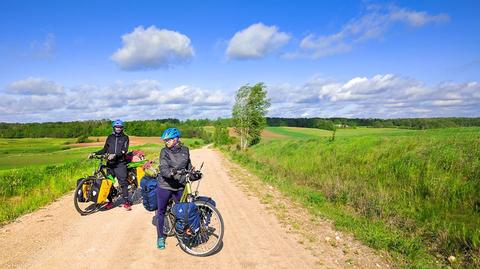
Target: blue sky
[(77, 60)]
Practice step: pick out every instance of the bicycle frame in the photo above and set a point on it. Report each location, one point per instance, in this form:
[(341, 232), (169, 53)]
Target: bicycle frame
[(186, 192), (102, 169), (188, 188)]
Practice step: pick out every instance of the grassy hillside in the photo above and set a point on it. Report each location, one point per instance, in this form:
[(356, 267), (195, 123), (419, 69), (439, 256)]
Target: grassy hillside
[(23, 152), (309, 133), (413, 193)]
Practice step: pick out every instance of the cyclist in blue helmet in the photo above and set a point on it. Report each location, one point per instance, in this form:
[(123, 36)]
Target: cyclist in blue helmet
[(116, 146), (173, 157)]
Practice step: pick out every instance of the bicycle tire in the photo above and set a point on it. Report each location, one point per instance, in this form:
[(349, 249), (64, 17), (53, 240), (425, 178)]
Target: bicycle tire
[(219, 237), (94, 206), (169, 224)]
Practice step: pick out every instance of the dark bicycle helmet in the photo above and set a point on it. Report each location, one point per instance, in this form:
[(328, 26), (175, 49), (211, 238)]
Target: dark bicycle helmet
[(171, 133)]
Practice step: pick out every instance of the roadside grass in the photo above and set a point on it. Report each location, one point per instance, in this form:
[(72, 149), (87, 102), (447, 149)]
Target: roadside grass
[(416, 196), (24, 190), (315, 229)]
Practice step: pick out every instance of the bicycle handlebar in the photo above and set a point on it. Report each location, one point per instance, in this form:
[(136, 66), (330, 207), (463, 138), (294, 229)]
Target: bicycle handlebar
[(98, 156), (191, 174), (187, 171)]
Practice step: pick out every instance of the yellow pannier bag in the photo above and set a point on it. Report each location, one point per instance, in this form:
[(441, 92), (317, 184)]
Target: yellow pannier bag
[(104, 190), (140, 174), (85, 192)]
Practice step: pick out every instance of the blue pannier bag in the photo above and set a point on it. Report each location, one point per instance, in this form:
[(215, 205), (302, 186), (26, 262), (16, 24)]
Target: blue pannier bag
[(204, 200), (187, 217), (149, 193)]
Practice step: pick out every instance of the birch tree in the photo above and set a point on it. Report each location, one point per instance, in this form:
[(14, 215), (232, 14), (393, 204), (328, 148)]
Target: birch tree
[(248, 113)]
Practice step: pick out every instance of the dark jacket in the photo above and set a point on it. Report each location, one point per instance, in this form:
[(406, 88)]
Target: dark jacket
[(116, 144), (177, 158)]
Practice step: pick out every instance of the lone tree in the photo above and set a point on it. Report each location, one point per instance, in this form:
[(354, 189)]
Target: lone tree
[(248, 113)]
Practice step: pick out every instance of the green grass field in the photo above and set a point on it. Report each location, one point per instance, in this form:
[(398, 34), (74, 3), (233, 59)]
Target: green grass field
[(413, 193), (18, 153), (34, 172), (33, 145), (312, 133)]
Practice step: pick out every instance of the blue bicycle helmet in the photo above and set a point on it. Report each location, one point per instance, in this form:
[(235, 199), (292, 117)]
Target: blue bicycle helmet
[(171, 133), (117, 123)]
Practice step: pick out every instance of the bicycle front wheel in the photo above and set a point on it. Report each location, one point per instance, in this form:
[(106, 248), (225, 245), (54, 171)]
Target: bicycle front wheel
[(209, 238), (81, 197)]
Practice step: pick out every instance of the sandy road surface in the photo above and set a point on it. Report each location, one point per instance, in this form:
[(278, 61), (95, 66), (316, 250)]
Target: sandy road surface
[(58, 237)]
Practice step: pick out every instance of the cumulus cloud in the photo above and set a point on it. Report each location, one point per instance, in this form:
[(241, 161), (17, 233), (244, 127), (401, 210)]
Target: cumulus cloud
[(152, 48), (376, 22), (382, 96), (144, 99), (256, 41), (34, 86)]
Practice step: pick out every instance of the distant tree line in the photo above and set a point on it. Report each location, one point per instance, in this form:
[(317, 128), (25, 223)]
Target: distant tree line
[(194, 128), (409, 123), (189, 128)]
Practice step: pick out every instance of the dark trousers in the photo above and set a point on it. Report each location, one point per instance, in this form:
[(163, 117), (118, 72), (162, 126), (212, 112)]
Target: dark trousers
[(163, 196), (119, 170)]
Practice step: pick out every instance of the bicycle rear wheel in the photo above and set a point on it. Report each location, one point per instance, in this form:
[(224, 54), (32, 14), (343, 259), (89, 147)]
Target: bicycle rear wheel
[(134, 192), (209, 238), (81, 197), (169, 224)]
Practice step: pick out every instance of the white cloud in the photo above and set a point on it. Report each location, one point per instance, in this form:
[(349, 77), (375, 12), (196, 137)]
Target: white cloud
[(415, 18), (373, 24), (144, 99), (447, 102), (256, 41), (382, 96), (152, 48), (34, 86)]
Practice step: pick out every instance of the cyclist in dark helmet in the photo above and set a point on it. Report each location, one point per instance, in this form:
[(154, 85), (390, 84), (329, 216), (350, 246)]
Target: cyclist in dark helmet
[(116, 146), (173, 157)]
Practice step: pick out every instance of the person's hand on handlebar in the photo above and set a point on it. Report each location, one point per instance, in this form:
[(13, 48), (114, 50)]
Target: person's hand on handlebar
[(182, 179), (91, 155), (111, 157), (173, 172), (196, 175)]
